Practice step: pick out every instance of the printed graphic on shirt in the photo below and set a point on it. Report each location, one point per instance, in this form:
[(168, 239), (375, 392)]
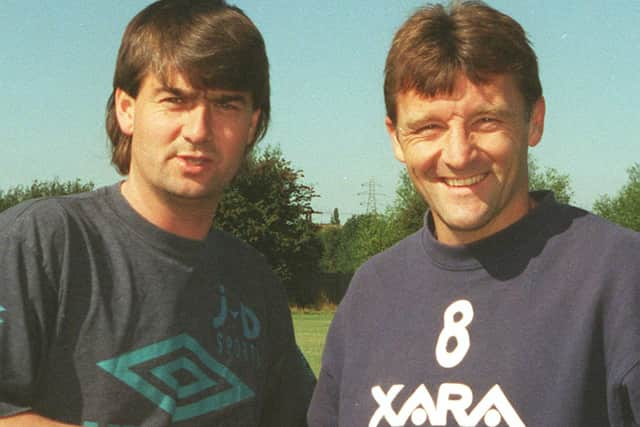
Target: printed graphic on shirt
[(2, 309), (231, 319), (180, 377), (424, 408)]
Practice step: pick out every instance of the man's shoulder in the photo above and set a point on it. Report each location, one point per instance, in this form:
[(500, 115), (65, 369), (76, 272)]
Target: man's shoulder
[(388, 266), (587, 241), (239, 253), (46, 213), (588, 226), (397, 254)]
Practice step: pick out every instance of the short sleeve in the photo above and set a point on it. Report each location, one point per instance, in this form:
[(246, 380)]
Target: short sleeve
[(289, 392), (631, 396), (621, 329), (290, 380), (26, 304)]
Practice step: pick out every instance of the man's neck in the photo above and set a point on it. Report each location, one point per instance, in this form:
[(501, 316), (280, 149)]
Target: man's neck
[(179, 216), (452, 237)]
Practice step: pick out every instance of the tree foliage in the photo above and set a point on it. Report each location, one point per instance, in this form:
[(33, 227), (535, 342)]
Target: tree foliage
[(55, 187), (624, 207), (335, 217), (408, 209), (269, 207), (550, 179), (363, 236)]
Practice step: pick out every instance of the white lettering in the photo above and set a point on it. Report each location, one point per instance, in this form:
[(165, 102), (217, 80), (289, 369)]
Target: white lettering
[(452, 398), (448, 402), (495, 398), (385, 411)]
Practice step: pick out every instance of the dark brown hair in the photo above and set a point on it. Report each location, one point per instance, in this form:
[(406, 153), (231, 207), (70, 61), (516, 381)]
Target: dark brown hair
[(212, 44), (437, 43)]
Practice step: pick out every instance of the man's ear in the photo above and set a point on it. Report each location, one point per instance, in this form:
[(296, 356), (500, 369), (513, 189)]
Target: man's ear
[(536, 122), (395, 143), (255, 120), (125, 111), (253, 129)]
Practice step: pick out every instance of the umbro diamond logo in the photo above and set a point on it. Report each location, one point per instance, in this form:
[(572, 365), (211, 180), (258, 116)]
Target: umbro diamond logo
[(180, 377)]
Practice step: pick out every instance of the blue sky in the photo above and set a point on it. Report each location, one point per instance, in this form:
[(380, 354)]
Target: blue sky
[(327, 63)]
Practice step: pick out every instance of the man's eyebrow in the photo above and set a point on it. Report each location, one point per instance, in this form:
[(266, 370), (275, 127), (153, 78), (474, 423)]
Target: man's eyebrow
[(228, 97), (498, 112), (418, 121), (176, 91)]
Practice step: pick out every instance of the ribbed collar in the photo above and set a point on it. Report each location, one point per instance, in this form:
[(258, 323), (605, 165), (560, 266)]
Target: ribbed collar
[(514, 241)]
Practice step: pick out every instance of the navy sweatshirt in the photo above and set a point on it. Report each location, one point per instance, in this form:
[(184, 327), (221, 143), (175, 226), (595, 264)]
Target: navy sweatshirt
[(537, 325)]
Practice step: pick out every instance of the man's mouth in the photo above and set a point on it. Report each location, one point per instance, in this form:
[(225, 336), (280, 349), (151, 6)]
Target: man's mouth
[(464, 182), (194, 160)]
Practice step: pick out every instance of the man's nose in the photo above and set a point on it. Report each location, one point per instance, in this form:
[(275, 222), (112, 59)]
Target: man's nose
[(197, 128), (459, 148)]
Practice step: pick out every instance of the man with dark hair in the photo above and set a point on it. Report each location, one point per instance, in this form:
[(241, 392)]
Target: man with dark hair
[(506, 308), (122, 307)]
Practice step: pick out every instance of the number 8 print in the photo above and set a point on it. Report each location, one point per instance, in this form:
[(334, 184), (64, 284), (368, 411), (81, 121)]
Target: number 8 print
[(456, 329)]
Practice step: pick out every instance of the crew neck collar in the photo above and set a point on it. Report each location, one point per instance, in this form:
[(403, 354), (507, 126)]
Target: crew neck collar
[(170, 243), (504, 244)]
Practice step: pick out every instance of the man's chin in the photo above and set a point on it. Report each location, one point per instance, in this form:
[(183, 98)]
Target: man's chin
[(467, 220), (195, 194), (467, 228)]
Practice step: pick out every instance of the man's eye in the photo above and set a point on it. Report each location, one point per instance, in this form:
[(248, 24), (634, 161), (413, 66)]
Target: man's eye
[(175, 100), (486, 124), (428, 129), (423, 132), (227, 106)]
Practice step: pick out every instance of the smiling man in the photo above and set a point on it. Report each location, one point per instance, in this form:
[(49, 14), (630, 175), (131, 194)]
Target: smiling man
[(506, 308), (122, 307), (466, 153)]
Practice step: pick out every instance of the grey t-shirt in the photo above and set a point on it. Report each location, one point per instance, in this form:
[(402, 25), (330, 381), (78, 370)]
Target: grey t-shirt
[(106, 319)]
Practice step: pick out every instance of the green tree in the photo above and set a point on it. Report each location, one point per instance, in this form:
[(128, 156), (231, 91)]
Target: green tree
[(55, 187), (361, 237), (331, 238), (335, 217), (550, 179), (269, 207), (624, 207), (408, 209)]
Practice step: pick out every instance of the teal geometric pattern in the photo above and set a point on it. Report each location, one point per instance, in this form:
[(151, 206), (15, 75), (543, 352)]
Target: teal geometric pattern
[(166, 374), (1, 310), (180, 378)]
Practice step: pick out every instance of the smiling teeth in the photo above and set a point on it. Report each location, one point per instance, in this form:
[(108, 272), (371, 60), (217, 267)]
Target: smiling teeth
[(463, 182)]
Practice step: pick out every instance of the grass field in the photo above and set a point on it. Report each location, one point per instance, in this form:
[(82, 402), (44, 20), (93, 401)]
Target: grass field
[(311, 331)]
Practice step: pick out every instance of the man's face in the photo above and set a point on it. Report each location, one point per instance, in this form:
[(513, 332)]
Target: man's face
[(187, 144), (466, 154)]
